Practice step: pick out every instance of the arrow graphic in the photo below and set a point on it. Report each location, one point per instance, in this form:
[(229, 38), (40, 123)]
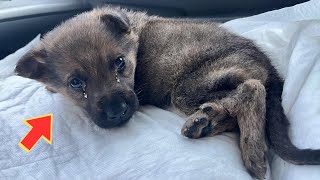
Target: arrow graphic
[(41, 127)]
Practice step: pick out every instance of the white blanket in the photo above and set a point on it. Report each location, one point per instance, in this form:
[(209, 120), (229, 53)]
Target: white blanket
[(150, 145)]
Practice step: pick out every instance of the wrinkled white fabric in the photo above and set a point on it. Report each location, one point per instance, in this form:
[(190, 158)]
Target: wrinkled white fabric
[(150, 145)]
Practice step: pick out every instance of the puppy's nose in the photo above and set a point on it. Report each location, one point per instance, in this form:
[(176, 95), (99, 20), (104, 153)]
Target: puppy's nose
[(115, 108)]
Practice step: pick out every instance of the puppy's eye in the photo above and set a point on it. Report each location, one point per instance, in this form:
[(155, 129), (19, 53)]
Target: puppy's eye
[(120, 63), (77, 83)]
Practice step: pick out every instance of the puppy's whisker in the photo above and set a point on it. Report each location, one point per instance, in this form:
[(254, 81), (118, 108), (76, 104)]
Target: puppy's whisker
[(139, 92)]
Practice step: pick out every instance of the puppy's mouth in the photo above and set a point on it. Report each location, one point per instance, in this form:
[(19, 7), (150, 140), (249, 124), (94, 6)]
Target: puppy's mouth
[(105, 121)]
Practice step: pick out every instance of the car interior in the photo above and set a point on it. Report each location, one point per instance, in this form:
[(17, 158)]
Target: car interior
[(22, 20)]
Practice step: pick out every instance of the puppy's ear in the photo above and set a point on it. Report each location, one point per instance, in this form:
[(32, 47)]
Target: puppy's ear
[(119, 22), (32, 65)]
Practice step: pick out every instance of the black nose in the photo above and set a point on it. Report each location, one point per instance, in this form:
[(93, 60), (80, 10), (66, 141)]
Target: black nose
[(115, 108)]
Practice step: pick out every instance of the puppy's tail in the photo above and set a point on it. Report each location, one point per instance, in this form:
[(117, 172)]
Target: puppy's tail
[(278, 128)]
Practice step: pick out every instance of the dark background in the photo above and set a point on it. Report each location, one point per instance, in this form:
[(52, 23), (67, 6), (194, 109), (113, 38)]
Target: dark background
[(18, 30)]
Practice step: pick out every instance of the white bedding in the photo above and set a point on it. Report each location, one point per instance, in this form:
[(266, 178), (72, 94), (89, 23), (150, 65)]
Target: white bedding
[(150, 145)]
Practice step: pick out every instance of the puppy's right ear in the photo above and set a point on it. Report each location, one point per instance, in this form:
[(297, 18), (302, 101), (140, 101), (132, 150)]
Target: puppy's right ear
[(118, 21), (32, 65)]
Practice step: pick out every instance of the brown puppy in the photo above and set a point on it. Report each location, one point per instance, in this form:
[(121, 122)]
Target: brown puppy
[(99, 59)]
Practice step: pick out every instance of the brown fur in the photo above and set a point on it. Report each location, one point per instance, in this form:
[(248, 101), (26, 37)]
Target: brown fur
[(222, 81)]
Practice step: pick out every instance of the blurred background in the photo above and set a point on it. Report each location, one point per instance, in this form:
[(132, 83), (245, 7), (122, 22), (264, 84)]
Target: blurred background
[(22, 20)]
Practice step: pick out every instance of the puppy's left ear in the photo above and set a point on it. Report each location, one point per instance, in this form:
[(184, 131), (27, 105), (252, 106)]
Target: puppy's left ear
[(32, 65), (118, 21)]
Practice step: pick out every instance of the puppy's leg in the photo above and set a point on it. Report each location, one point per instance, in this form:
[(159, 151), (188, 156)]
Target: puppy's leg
[(226, 99), (250, 112), (201, 96), (211, 119), (247, 105)]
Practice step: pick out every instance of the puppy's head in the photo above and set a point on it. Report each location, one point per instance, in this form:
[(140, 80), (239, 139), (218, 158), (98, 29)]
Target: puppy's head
[(90, 59)]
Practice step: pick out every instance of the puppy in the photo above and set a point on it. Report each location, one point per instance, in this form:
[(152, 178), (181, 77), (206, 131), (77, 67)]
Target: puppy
[(101, 58)]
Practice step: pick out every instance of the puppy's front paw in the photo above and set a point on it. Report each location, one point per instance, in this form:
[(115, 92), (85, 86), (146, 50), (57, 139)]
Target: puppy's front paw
[(195, 125), (206, 121)]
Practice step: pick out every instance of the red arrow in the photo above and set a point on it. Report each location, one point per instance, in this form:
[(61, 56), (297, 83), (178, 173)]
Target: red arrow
[(41, 127)]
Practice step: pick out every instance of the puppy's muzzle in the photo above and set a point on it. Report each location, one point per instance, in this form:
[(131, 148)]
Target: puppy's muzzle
[(115, 111)]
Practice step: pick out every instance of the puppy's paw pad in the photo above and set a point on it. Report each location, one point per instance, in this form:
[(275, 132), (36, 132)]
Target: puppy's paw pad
[(207, 109), (199, 121), (212, 109), (194, 125)]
